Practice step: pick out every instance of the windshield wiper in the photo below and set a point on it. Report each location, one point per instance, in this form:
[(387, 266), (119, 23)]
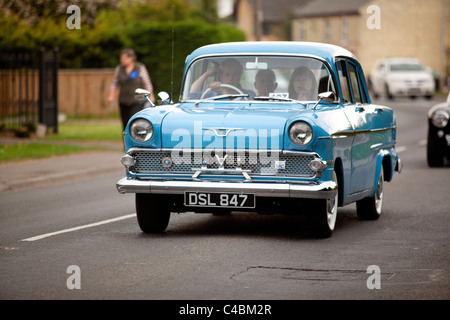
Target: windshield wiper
[(224, 96), (228, 96), (280, 99)]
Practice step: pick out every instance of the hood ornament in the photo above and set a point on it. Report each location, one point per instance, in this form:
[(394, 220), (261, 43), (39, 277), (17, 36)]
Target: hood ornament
[(222, 131)]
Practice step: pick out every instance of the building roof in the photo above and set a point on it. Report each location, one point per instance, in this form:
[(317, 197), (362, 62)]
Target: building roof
[(316, 8), (276, 11)]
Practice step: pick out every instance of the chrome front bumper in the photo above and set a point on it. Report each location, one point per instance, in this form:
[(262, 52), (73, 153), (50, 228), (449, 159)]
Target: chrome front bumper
[(309, 190)]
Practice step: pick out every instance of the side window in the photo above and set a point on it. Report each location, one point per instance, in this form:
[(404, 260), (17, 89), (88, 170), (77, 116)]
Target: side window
[(356, 89), (359, 95), (342, 74)]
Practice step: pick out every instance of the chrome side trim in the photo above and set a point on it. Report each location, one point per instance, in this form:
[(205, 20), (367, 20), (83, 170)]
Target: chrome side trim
[(382, 145), (349, 133), (308, 190)]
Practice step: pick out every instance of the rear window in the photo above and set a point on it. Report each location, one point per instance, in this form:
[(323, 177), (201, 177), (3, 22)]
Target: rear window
[(401, 67)]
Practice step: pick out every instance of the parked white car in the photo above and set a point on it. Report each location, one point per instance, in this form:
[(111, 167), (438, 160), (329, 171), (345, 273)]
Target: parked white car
[(401, 77)]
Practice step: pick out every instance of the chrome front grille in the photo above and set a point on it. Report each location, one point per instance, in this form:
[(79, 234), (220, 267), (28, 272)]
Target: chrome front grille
[(258, 163)]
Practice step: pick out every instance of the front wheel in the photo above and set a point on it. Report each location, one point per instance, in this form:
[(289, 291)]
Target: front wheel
[(152, 216), (322, 218), (435, 156), (370, 208)]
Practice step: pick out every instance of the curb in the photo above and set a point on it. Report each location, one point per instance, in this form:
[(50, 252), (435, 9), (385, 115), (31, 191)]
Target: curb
[(59, 169)]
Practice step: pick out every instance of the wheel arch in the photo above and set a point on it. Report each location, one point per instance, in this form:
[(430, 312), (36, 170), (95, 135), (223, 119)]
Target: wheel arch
[(338, 168), (387, 168)]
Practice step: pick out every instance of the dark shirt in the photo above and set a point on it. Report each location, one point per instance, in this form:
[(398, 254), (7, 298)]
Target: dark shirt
[(128, 83)]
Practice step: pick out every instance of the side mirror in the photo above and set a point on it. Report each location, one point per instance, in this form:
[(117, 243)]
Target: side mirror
[(328, 96), (142, 94), (165, 98)]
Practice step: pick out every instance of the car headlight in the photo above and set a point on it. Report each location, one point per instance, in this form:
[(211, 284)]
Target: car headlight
[(300, 133), (440, 118), (141, 130)]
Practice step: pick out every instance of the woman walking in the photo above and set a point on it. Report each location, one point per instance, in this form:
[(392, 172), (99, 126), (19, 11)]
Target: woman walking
[(129, 76)]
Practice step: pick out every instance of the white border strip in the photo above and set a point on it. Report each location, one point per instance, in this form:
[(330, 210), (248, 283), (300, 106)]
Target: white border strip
[(46, 235)]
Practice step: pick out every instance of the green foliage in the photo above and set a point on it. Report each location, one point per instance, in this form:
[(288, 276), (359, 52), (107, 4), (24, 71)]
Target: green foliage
[(148, 27), (88, 130), (21, 151), (153, 45)]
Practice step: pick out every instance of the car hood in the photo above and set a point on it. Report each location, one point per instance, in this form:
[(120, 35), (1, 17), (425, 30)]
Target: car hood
[(227, 126)]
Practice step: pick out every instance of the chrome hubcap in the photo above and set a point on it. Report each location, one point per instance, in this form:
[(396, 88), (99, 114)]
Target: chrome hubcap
[(379, 194), (332, 205)]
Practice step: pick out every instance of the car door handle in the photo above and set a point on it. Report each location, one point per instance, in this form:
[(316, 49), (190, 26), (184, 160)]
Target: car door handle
[(379, 110), (360, 109)]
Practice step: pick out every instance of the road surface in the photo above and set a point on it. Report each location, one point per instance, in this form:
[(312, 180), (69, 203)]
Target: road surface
[(81, 241)]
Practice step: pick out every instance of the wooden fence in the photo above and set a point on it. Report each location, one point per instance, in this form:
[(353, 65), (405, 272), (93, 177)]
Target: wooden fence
[(81, 92), (84, 92), (19, 90)]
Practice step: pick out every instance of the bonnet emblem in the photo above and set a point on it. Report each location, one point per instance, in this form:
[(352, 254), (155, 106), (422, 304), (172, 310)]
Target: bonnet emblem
[(221, 131)]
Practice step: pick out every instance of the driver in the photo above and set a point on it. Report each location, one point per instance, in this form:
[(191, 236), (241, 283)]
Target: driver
[(229, 72)]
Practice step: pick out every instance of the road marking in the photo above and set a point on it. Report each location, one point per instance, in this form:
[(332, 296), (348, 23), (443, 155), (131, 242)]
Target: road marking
[(420, 143), (46, 235), (401, 149)]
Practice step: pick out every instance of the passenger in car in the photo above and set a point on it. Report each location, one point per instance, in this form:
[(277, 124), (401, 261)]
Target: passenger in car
[(265, 82), (303, 85)]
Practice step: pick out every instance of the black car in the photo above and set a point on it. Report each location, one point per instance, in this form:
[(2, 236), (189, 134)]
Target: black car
[(438, 146)]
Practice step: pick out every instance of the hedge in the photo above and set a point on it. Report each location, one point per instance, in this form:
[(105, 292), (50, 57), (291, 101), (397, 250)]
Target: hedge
[(99, 45), (153, 45)]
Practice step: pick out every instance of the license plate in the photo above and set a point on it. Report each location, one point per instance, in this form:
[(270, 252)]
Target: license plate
[(219, 200), (414, 91)]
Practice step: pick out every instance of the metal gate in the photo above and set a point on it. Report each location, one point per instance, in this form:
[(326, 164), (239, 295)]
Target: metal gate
[(28, 91), (48, 89)]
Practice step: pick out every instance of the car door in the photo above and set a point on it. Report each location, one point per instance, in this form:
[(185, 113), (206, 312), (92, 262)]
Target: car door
[(360, 114)]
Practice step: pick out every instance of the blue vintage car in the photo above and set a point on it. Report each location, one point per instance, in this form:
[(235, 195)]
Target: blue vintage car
[(269, 127)]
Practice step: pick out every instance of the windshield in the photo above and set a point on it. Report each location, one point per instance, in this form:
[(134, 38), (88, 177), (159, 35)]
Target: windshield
[(251, 77), (401, 67)]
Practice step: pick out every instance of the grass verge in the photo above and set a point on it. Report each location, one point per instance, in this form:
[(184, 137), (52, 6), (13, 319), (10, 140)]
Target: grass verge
[(22, 151), (89, 130)]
